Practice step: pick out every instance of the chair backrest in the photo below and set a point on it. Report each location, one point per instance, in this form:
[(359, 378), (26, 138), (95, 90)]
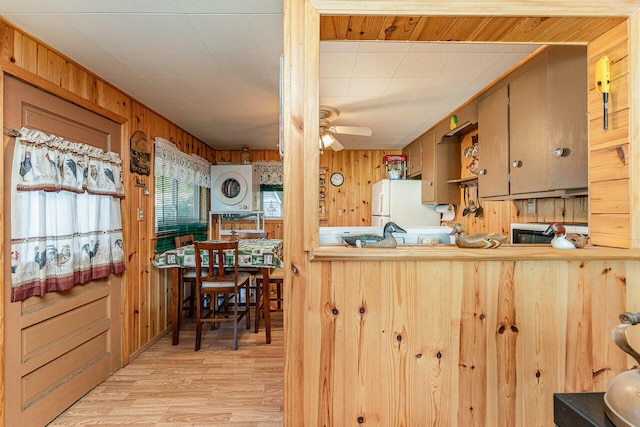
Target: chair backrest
[(215, 272), (248, 235), (187, 239)]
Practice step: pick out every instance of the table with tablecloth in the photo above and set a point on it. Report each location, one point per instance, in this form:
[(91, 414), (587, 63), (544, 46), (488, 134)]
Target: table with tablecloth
[(252, 253)]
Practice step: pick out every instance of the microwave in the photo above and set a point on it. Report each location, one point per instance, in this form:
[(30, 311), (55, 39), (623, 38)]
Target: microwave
[(531, 233)]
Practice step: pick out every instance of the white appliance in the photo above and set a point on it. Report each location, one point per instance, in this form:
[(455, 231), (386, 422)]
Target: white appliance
[(400, 201), (234, 188)]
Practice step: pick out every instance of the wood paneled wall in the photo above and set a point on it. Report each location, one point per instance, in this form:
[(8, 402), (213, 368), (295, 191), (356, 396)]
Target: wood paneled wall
[(146, 293), (459, 343), (609, 183), (350, 204)]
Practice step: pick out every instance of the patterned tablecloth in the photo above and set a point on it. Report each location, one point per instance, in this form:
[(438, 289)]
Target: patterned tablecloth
[(252, 253)]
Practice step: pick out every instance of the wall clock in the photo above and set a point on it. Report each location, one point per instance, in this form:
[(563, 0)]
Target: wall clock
[(337, 179)]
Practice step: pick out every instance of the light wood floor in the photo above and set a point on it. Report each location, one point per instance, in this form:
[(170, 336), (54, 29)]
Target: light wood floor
[(174, 385)]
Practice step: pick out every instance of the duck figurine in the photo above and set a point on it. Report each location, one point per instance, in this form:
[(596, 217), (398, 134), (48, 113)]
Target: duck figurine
[(476, 240), (374, 240), (562, 239)]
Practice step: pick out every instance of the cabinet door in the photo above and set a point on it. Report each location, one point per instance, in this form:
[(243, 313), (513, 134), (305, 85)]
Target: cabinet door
[(529, 162), (429, 172), (414, 158), (568, 121), (493, 141), (440, 163)]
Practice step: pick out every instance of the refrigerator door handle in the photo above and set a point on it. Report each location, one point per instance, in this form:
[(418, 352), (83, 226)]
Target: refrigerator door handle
[(380, 204)]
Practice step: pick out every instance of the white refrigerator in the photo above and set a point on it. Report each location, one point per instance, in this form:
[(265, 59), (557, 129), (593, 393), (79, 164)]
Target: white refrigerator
[(400, 201)]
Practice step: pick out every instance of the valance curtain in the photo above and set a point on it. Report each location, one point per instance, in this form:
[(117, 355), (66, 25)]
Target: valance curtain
[(66, 224), (269, 172), (172, 163)]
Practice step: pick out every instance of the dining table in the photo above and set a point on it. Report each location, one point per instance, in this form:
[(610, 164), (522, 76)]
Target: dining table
[(253, 254)]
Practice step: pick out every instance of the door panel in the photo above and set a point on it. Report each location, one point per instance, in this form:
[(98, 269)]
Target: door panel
[(528, 131), (61, 345), (493, 132)]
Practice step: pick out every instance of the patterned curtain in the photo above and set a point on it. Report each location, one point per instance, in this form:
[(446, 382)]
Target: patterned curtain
[(270, 172), (170, 162), (66, 224)]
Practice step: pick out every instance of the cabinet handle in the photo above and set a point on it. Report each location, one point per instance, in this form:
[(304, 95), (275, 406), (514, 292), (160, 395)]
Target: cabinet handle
[(558, 152), (517, 163), (483, 172), (430, 184)]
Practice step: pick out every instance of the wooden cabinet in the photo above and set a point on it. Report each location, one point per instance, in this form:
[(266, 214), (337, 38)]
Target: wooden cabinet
[(413, 152), (440, 163), (493, 129), (539, 117)]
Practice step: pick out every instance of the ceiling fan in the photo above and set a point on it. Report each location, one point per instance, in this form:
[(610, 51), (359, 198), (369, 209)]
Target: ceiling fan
[(327, 115)]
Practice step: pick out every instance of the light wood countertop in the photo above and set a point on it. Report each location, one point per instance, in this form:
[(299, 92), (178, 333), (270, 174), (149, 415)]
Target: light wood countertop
[(453, 253)]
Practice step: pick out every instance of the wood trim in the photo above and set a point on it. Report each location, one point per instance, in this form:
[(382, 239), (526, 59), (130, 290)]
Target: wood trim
[(6, 266), (449, 252), (634, 127), (301, 121), (44, 84), (477, 8)]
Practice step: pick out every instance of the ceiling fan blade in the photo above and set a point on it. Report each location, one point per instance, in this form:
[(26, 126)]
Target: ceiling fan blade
[(336, 146), (352, 130)]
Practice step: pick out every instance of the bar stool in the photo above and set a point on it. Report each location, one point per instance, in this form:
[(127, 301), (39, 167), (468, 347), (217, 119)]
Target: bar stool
[(187, 275)]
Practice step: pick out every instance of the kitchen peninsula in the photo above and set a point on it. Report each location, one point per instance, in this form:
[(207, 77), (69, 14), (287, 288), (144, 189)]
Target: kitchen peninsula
[(443, 335)]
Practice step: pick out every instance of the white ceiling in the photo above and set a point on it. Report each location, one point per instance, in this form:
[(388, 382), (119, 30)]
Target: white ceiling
[(212, 67)]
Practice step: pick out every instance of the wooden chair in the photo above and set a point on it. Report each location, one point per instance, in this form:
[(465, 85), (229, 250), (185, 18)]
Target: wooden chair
[(241, 235), (214, 281), (187, 276), (271, 297)]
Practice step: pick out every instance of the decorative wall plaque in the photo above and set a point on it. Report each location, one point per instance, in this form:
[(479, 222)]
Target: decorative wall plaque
[(140, 162)]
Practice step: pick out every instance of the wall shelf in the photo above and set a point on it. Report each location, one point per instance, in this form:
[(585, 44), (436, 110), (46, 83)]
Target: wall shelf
[(322, 193)]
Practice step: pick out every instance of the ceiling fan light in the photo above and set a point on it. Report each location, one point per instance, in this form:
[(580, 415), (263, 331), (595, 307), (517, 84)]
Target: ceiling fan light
[(327, 139)]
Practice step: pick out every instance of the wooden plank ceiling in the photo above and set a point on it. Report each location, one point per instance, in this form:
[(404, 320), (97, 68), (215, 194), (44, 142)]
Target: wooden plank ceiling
[(466, 28)]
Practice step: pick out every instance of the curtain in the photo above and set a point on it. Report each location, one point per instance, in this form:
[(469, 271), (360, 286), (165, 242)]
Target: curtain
[(269, 172), (66, 224), (172, 163)]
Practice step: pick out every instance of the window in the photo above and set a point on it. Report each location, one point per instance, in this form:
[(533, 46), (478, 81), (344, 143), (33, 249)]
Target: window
[(182, 198), (178, 212), (272, 201)]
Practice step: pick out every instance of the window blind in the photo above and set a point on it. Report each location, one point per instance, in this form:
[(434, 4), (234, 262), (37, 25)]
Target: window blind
[(179, 180)]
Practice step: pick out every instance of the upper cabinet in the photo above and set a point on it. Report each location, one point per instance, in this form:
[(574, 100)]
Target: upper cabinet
[(538, 116), (493, 128), (413, 152), (440, 164)]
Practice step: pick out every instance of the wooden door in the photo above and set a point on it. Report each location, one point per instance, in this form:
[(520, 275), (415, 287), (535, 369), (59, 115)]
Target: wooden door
[(60, 346), (493, 136)]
